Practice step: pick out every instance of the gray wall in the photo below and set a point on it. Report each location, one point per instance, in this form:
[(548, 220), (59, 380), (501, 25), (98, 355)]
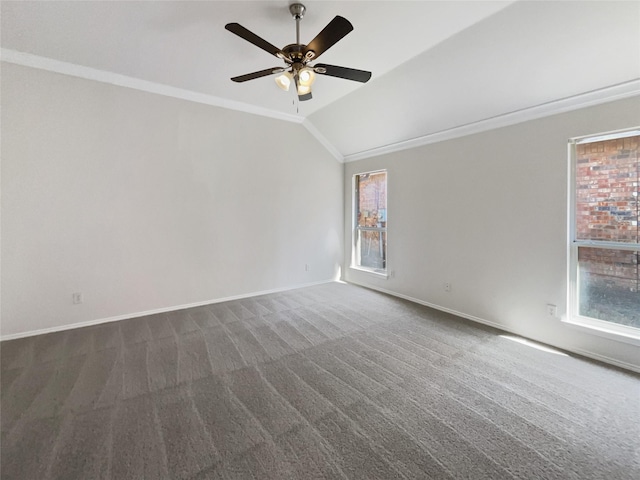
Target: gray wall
[(488, 213), (144, 202)]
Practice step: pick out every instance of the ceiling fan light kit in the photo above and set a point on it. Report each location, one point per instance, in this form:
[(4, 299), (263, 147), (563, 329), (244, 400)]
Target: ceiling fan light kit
[(284, 81), (297, 56)]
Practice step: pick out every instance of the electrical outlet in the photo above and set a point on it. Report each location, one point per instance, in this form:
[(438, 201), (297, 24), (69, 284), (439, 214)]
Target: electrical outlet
[(77, 298), (552, 310), (447, 287)]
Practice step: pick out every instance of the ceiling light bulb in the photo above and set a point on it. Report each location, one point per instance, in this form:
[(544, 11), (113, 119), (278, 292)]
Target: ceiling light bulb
[(306, 76), (284, 81)]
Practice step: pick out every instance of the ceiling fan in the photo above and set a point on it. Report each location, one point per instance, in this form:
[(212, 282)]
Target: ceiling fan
[(297, 56)]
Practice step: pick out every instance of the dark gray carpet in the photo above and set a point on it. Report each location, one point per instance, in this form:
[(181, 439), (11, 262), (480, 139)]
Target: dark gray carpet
[(331, 381)]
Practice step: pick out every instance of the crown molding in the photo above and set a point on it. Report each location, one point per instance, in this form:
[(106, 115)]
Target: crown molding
[(583, 100), (87, 73), (71, 69), (306, 123), (595, 97)]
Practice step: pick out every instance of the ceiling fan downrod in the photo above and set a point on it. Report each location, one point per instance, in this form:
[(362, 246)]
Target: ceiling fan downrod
[(297, 12)]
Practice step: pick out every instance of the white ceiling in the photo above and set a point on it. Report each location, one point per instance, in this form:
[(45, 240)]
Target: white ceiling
[(436, 65)]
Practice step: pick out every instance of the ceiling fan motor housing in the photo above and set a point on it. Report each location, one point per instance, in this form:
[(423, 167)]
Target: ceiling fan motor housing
[(295, 52)]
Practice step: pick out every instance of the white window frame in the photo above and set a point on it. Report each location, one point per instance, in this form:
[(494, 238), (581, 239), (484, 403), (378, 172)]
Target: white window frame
[(603, 328), (355, 251)]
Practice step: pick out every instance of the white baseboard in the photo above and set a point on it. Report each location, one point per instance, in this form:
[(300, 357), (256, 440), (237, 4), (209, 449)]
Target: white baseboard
[(126, 316), (578, 351)]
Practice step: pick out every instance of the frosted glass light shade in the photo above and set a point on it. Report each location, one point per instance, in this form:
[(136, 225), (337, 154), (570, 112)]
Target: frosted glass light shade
[(304, 89), (284, 81), (306, 77)]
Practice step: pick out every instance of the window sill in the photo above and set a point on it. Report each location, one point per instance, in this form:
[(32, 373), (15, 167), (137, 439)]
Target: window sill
[(370, 271), (620, 333)]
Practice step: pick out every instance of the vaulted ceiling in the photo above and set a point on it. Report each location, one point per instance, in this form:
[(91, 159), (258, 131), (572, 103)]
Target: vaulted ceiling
[(438, 66)]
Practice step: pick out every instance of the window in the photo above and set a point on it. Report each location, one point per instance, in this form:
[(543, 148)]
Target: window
[(604, 283), (370, 231)]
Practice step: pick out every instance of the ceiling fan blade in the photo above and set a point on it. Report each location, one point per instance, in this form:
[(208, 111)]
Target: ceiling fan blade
[(261, 73), (328, 37), (251, 37), (343, 72)]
